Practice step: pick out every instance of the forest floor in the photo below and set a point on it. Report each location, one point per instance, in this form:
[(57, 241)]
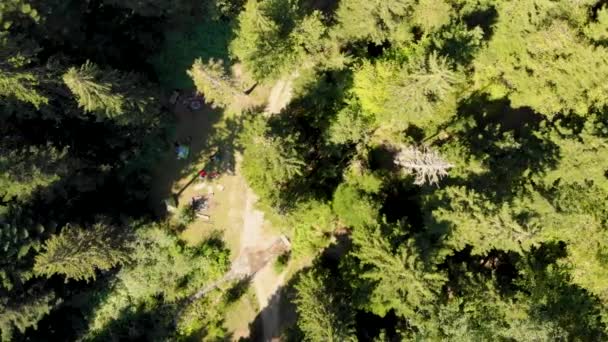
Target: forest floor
[(232, 208), (280, 94)]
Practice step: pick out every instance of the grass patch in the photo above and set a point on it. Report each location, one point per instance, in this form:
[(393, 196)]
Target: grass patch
[(242, 312), (281, 263)]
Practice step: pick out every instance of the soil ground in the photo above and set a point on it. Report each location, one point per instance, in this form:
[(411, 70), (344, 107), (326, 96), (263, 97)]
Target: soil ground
[(232, 208)]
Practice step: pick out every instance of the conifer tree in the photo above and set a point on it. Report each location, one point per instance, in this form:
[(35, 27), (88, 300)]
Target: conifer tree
[(322, 316), (430, 15), (24, 169), (77, 253), (545, 67), (269, 162), (374, 20), (400, 279), (412, 93), (259, 43), (94, 90), (20, 314), (21, 86), (211, 81)]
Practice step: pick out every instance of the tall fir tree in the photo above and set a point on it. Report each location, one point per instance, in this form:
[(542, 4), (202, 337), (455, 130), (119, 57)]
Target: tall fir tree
[(322, 315), (78, 253)]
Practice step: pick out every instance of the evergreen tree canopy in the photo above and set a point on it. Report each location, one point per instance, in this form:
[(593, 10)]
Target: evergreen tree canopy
[(77, 253)]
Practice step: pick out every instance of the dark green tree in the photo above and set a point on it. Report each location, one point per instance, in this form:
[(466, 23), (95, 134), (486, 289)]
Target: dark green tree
[(78, 253), (20, 314), (322, 316)]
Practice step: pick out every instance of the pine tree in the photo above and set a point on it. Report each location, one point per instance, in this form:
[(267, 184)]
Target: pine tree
[(21, 86), (94, 90), (467, 217), (18, 81), (350, 125), (431, 15), (322, 316), (400, 279), (545, 67), (211, 81), (269, 162), (354, 207), (259, 42), (25, 169), (412, 93), (374, 20), (20, 314), (77, 253)]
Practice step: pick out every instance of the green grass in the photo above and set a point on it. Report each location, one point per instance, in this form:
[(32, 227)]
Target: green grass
[(209, 39)]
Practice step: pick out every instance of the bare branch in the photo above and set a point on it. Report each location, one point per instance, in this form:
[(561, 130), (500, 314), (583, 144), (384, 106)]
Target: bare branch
[(427, 165)]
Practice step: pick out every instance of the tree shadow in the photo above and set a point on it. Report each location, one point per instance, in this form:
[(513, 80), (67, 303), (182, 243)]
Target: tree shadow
[(327, 7), (212, 149), (510, 142), (484, 18), (184, 44), (308, 118), (143, 323)]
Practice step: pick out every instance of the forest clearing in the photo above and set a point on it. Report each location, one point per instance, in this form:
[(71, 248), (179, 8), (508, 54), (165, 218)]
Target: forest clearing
[(230, 204)]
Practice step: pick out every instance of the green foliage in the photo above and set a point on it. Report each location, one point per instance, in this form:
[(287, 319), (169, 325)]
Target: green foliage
[(582, 156), (467, 215), (413, 93), (187, 215), (322, 316), (23, 313), (545, 67), (260, 43), (350, 125), (399, 279), (598, 30), (204, 318), (160, 267), (510, 247), (354, 207), (181, 49), (211, 81), (269, 162), (110, 94), (92, 88), (274, 37), (25, 169), (281, 263), (374, 21), (432, 14), (77, 253), (312, 224), (21, 86)]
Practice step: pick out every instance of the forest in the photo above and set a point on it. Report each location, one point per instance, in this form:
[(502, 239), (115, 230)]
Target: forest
[(437, 168)]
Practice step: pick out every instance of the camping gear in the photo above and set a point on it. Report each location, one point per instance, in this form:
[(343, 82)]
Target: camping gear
[(196, 105), (199, 203), (182, 151)]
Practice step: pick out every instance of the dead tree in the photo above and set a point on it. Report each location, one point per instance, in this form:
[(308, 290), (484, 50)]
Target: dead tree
[(427, 165)]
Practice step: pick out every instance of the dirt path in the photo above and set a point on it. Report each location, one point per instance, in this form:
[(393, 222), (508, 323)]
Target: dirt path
[(266, 282), (253, 222), (280, 94)]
